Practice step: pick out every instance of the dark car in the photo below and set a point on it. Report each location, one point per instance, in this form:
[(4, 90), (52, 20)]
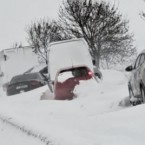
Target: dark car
[(136, 84), (25, 82)]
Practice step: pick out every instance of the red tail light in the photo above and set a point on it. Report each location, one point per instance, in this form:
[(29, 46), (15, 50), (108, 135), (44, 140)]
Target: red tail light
[(90, 73)]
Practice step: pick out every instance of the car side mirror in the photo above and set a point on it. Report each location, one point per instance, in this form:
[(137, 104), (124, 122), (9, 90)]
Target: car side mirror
[(129, 68)]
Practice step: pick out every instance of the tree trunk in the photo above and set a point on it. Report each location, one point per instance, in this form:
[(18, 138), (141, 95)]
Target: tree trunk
[(97, 56), (97, 59)]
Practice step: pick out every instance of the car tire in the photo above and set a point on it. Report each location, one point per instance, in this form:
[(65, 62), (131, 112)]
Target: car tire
[(142, 94)]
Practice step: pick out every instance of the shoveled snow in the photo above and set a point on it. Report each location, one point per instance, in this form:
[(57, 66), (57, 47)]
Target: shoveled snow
[(100, 115)]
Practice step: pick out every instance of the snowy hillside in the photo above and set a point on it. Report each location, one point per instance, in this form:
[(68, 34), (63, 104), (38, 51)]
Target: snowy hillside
[(100, 115)]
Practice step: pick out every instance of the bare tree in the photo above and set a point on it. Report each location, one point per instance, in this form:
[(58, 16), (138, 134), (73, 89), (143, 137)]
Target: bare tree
[(41, 33), (119, 53), (142, 13), (102, 26)]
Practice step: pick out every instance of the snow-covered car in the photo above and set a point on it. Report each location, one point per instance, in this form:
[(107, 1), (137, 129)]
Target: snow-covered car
[(25, 82), (67, 80), (68, 57), (136, 84)]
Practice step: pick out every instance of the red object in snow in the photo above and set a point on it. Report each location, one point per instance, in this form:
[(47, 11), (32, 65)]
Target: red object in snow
[(64, 90)]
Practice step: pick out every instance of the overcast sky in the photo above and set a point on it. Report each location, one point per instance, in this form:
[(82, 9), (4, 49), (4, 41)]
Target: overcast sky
[(15, 15), (131, 10)]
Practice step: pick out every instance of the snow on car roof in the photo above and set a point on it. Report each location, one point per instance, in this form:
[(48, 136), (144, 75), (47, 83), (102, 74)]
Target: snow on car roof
[(68, 53), (39, 67)]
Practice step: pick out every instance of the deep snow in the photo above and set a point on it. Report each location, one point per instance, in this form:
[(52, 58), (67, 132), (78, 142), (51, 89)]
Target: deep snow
[(99, 116), (10, 136)]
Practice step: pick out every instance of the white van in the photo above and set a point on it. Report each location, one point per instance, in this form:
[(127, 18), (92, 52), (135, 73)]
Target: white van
[(68, 60)]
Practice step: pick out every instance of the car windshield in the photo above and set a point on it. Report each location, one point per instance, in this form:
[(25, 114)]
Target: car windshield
[(26, 77), (76, 72)]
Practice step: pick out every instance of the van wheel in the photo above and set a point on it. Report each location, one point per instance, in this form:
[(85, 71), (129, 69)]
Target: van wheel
[(142, 94)]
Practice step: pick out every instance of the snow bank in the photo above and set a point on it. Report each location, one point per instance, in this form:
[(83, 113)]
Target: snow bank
[(91, 118)]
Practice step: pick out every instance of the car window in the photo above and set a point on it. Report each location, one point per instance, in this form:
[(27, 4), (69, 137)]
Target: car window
[(73, 73), (142, 59), (79, 72), (137, 62)]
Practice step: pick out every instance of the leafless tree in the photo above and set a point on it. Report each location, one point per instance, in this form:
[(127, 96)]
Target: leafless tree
[(41, 33), (142, 13), (102, 26)]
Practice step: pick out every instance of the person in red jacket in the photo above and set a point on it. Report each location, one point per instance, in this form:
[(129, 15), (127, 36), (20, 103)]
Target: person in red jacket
[(64, 90)]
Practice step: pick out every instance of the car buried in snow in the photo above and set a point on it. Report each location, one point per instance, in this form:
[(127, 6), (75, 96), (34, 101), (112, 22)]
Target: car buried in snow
[(136, 83), (67, 79), (25, 82), (69, 62)]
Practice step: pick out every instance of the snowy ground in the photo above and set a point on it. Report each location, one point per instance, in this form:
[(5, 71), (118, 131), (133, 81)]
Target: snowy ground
[(101, 115)]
